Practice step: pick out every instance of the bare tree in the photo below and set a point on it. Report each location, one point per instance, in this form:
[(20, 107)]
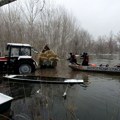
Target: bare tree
[(38, 23), (118, 43), (31, 10)]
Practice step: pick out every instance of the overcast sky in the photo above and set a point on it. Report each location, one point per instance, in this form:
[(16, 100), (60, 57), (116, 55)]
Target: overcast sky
[(98, 17)]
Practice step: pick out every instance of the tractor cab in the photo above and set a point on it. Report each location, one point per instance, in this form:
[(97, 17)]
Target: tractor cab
[(17, 50)]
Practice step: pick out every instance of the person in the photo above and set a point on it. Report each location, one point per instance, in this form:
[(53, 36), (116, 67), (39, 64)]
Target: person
[(85, 57), (72, 59), (45, 48)]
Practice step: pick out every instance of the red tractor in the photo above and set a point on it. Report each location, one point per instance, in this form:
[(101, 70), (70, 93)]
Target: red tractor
[(18, 59)]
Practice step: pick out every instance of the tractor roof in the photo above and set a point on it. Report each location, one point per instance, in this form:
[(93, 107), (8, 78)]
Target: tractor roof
[(18, 44)]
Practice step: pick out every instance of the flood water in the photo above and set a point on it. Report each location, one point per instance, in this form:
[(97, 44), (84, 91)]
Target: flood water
[(98, 99)]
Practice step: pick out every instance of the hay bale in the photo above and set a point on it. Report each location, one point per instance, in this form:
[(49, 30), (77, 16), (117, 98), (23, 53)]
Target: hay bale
[(51, 55), (50, 52), (43, 58), (41, 55), (54, 58), (48, 56)]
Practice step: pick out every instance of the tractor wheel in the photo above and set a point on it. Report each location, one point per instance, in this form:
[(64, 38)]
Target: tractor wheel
[(25, 69)]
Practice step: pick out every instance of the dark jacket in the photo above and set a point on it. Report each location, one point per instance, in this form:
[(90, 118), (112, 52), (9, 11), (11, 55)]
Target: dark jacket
[(72, 59), (85, 61)]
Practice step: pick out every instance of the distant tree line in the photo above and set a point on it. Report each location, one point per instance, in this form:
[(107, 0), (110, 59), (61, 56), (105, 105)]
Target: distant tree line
[(38, 23)]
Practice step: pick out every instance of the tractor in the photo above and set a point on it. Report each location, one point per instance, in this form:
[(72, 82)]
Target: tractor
[(18, 59)]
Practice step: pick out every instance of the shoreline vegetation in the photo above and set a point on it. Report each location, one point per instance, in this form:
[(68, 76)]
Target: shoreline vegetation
[(39, 23)]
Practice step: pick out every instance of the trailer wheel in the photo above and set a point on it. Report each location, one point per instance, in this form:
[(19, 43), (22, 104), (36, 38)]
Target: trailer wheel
[(25, 68), (54, 64)]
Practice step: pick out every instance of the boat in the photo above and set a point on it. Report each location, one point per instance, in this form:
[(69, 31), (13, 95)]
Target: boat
[(94, 68), (5, 102), (42, 79)]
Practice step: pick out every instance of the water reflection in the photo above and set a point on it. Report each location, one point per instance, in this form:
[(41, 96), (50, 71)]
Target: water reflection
[(81, 75), (85, 77), (42, 102), (97, 99)]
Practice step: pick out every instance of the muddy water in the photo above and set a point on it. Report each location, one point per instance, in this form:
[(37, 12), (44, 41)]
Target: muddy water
[(98, 99)]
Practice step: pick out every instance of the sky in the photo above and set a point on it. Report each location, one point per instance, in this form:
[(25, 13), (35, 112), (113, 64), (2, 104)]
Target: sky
[(98, 17)]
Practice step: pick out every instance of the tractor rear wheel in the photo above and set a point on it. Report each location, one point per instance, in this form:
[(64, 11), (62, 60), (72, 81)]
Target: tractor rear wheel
[(25, 68)]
